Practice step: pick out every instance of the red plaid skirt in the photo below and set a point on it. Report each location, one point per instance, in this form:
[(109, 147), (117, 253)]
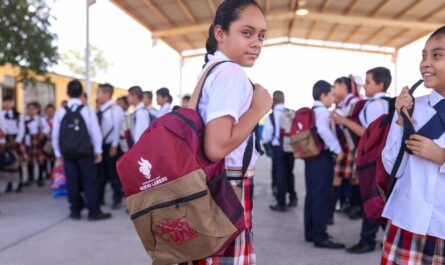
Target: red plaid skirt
[(346, 167), (242, 249), (405, 248)]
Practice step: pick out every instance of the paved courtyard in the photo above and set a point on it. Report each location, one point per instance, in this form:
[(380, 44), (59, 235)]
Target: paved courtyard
[(35, 230)]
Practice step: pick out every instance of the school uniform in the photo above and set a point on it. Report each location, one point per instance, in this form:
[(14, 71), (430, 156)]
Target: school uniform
[(415, 233), (32, 134), (110, 117), (282, 162), (373, 109), (81, 172), (166, 108), (11, 124), (228, 92), (141, 121), (10, 127), (319, 174), (346, 167)]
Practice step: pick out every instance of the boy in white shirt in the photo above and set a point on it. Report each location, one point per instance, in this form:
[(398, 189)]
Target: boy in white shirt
[(319, 172), (111, 118), (79, 154), (141, 117)]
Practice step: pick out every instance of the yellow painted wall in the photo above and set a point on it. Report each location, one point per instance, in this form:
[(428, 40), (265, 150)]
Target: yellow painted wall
[(60, 83)]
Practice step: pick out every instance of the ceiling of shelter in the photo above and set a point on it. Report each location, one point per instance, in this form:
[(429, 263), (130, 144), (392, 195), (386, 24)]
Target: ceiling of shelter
[(381, 26)]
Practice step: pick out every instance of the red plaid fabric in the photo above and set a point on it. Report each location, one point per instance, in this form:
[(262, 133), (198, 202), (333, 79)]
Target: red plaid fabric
[(242, 249), (346, 167), (405, 248)]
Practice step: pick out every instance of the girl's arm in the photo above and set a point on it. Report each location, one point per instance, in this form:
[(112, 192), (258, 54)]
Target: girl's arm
[(222, 136)]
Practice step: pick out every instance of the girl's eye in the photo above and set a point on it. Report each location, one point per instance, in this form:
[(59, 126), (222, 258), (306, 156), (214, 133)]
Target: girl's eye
[(261, 36), (247, 33), (437, 55)]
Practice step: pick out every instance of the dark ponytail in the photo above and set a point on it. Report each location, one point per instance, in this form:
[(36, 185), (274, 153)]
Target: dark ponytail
[(227, 12), (346, 81)]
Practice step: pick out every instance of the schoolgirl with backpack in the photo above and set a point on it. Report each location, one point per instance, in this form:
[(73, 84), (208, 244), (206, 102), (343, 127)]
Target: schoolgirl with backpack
[(190, 195), (415, 209)]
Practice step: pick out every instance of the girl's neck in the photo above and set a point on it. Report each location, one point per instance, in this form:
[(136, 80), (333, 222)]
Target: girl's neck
[(440, 91)]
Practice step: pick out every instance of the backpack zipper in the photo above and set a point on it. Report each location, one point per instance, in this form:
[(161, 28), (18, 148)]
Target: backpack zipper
[(170, 203)]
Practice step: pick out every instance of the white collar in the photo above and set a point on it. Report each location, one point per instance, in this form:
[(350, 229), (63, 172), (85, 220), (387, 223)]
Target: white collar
[(218, 56), (106, 105), (379, 95), (74, 101), (434, 98), (139, 106)]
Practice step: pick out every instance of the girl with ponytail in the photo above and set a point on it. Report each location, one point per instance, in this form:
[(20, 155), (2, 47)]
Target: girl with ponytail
[(231, 109)]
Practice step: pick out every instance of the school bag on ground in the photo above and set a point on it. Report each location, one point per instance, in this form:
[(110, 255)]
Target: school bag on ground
[(375, 183), (181, 204), (74, 138), (305, 140)]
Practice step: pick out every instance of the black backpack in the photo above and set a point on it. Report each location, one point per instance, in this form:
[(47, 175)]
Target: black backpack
[(74, 139)]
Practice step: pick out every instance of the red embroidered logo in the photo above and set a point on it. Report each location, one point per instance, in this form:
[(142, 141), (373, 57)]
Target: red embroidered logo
[(176, 231)]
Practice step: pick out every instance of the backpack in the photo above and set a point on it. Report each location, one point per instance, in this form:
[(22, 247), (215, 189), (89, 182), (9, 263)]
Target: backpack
[(375, 183), (7, 158), (305, 140), (74, 138), (287, 117), (181, 204)]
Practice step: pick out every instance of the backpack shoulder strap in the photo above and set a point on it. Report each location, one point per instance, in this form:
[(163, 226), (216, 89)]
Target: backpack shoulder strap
[(197, 93)]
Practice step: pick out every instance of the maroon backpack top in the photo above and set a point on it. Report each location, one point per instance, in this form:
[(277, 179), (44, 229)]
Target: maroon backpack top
[(181, 203), (304, 138), (375, 183)]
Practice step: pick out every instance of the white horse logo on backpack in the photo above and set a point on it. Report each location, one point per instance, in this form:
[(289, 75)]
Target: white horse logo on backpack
[(145, 167)]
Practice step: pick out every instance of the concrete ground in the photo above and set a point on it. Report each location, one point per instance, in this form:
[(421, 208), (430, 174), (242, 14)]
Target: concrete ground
[(35, 230)]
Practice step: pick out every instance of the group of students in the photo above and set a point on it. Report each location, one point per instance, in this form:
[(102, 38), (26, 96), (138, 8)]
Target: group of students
[(325, 173), (414, 232), (38, 141)]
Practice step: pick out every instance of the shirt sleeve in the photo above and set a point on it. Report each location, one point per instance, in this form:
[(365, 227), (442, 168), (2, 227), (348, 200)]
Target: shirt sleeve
[(21, 132), (373, 110), (227, 93), (95, 132), (56, 132), (142, 123), (324, 130), (45, 127), (392, 148), (267, 134), (118, 120)]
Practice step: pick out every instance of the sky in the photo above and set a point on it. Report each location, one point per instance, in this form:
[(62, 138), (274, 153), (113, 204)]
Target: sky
[(134, 59)]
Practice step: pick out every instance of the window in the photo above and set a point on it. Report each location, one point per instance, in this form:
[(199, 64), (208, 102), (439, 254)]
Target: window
[(41, 92)]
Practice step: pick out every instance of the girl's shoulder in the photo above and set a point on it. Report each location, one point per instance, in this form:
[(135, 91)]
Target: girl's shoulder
[(229, 69)]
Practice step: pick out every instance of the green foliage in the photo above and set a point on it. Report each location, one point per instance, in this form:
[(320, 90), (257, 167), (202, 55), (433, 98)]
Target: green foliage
[(25, 38), (76, 61)]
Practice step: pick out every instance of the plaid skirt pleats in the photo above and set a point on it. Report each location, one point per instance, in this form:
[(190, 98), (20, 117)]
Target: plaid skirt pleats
[(242, 250), (346, 167), (402, 247)]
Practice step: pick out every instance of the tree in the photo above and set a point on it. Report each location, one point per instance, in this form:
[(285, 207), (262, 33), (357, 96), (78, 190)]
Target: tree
[(25, 38), (76, 61)]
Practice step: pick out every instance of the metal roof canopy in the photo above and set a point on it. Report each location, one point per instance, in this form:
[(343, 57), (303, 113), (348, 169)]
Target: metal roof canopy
[(379, 26)]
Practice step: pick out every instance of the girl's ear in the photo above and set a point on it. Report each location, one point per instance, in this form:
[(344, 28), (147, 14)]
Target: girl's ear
[(219, 33)]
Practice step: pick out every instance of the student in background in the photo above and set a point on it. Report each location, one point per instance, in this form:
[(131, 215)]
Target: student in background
[(319, 172), (185, 101), (140, 115), (163, 99), (377, 83), (110, 117), (33, 133), (77, 142), (282, 162)]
